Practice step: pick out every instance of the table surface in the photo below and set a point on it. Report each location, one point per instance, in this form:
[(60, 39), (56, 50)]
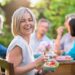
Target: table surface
[(65, 68)]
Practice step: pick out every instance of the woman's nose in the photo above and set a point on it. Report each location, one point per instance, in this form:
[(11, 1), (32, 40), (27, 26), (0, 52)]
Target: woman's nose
[(27, 22)]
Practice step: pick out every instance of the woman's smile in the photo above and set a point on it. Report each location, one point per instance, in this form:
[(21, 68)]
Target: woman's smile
[(28, 27)]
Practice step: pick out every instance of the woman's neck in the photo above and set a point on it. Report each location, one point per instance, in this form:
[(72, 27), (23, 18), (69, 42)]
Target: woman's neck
[(26, 37)]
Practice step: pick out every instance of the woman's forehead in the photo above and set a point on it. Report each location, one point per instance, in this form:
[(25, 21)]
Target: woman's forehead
[(27, 15)]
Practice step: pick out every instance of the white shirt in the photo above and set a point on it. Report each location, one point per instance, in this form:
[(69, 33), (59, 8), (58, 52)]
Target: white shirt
[(66, 42), (26, 51), (37, 44)]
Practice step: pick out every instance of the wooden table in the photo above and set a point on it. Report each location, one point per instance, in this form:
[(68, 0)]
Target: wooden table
[(67, 68)]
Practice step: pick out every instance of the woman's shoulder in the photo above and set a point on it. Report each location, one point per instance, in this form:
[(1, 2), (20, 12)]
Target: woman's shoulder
[(18, 40), (66, 35)]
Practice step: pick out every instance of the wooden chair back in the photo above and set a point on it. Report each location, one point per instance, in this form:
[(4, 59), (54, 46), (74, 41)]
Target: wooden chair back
[(6, 67)]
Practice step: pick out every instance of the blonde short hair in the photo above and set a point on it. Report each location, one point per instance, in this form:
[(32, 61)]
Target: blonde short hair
[(16, 18)]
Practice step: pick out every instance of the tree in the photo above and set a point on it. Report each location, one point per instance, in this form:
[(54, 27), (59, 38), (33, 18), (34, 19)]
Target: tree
[(4, 38), (55, 11), (4, 2)]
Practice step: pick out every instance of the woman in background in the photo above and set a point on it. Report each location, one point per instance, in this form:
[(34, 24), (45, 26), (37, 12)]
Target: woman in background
[(72, 32), (64, 42)]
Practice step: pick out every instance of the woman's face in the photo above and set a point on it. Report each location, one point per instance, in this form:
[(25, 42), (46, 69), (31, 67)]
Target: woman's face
[(43, 27), (26, 24)]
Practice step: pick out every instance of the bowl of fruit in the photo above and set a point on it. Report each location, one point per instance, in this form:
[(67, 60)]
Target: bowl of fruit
[(51, 65)]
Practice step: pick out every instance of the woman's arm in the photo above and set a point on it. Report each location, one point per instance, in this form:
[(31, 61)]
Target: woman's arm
[(58, 40), (15, 57), (59, 36)]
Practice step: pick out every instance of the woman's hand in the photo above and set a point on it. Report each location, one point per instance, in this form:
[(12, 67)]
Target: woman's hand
[(40, 61), (60, 30)]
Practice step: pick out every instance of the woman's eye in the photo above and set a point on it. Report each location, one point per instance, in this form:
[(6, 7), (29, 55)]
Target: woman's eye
[(26, 20), (23, 21), (30, 20)]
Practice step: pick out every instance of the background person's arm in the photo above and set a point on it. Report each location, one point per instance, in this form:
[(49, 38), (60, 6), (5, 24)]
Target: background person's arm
[(58, 40)]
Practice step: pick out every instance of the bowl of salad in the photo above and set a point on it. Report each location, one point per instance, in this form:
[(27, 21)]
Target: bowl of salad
[(51, 65)]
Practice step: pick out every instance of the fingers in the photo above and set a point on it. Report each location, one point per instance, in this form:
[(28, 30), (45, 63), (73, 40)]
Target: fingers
[(60, 29), (41, 60)]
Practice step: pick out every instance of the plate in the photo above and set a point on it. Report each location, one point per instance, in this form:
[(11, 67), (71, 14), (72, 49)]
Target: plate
[(64, 58)]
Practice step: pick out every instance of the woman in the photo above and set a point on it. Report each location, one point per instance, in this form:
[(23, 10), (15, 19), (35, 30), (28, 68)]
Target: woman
[(64, 43), (19, 52), (72, 32)]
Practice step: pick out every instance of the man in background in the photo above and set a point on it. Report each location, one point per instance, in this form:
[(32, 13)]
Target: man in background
[(39, 39)]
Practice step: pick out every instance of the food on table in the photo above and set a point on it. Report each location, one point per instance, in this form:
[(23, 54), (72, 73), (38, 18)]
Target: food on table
[(51, 65), (64, 58)]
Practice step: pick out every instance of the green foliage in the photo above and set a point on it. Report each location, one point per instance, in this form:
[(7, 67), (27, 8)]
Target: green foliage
[(4, 2), (6, 38), (55, 11)]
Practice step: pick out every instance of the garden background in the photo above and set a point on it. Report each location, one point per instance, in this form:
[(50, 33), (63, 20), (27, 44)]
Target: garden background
[(53, 10)]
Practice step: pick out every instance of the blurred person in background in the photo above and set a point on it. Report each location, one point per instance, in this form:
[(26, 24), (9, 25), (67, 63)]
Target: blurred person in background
[(64, 43), (39, 40), (3, 49), (71, 52)]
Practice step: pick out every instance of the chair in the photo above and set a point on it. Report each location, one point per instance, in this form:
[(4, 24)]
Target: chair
[(6, 67)]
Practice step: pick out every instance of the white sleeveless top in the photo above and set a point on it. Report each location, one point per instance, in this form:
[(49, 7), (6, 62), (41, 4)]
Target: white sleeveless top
[(26, 51)]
